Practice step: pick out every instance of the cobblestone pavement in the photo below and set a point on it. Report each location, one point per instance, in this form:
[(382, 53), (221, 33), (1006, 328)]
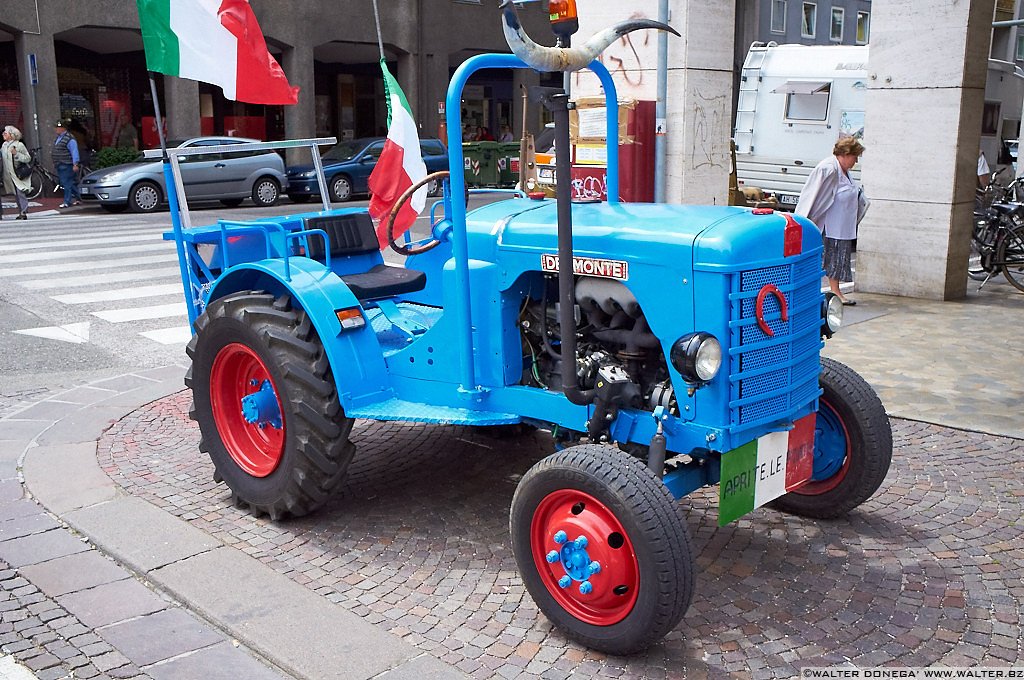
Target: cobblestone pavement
[(928, 572)]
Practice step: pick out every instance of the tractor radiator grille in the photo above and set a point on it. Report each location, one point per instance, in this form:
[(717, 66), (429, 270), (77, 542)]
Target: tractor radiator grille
[(771, 376)]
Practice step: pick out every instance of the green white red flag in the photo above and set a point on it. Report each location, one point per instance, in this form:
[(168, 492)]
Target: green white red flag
[(217, 42), (400, 165), (764, 469)]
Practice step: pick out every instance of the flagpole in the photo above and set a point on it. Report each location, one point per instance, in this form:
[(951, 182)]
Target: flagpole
[(172, 201)]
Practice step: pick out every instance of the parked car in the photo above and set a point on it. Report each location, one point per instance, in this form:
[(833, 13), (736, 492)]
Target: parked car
[(347, 168), (228, 177)]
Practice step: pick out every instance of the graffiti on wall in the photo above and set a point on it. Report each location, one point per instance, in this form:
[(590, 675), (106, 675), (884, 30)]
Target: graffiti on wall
[(632, 59), (709, 131)]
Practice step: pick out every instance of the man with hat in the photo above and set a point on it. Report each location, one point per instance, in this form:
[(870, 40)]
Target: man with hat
[(65, 160)]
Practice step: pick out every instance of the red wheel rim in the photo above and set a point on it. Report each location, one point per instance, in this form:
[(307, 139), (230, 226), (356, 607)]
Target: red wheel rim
[(615, 586), (236, 373), (830, 428)]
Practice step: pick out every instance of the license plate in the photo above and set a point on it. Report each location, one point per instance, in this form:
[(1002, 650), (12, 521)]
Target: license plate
[(84, 190), (789, 199), (764, 469)]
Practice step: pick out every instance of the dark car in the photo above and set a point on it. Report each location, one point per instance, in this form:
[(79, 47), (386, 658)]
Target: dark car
[(347, 168), (227, 177)]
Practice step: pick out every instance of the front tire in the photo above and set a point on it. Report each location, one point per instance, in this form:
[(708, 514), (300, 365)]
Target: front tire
[(633, 530), (267, 405), (36, 185), (144, 197), (852, 447), (1010, 256)]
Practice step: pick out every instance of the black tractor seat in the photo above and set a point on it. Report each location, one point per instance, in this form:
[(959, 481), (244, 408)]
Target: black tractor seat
[(383, 281), (353, 234)]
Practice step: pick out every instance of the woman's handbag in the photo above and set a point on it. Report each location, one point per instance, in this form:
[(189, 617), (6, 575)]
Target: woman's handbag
[(23, 170)]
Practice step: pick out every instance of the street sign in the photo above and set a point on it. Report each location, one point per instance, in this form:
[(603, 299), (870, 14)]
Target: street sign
[(33, 71)]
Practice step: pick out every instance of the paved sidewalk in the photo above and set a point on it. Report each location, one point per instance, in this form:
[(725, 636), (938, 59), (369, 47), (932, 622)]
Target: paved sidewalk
[(122, 558)]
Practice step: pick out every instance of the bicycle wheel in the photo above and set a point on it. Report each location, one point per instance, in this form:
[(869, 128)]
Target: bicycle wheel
[(37, 183), (982, 247), (1010, 257)]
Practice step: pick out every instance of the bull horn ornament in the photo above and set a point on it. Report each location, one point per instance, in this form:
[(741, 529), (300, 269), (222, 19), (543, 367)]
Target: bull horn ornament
[(550, 59)]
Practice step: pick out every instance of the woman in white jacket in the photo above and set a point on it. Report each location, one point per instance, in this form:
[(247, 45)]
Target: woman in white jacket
[(14, 150), (836, 205)]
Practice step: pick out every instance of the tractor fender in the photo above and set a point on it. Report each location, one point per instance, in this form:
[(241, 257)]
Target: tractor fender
[(355, 354)]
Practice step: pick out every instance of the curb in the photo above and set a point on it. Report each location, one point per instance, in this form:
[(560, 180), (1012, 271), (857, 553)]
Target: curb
[(282, 622)]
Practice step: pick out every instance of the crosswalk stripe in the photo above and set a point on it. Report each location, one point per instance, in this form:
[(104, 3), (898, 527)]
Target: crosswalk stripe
[(127, 293), (37, 244), (85, 266), (179, 335), (88, 252), (111, 277), (140, 313)]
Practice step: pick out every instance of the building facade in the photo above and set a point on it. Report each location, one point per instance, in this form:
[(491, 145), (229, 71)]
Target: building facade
[(84, 61)]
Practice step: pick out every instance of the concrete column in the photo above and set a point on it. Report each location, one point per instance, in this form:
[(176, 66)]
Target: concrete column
[(923, 121), (40, 103), (699, 107), (181, 107), (524, 78), (299, 120), (434, 87)]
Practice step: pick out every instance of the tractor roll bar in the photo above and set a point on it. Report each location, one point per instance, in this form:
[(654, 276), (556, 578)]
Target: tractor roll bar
[(457, 181)]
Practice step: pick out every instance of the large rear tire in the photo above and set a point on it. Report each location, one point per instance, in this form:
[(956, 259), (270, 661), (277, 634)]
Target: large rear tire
[(267, 405), (631, 528), (852, 447)]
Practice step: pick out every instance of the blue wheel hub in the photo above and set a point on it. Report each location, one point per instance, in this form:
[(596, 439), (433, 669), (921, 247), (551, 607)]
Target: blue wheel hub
[(576, 562), (261, 408), (829, 444)]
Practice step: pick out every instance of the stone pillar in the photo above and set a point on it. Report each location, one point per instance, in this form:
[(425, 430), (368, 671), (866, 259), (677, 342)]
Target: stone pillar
[(299, 119), (181, 107), (522, 80), (923, 122), (699, 106), (40, 103)]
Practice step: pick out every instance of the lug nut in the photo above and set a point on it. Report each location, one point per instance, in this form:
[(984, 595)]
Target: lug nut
[(565, 581), (586, 588), (560, 537), (580, 543), (552, 556)]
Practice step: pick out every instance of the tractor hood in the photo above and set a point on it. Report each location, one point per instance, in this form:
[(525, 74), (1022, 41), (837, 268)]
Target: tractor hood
[(643, 233)]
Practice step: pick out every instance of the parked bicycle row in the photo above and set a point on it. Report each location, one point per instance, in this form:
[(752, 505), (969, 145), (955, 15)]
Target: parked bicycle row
[(997, 240)]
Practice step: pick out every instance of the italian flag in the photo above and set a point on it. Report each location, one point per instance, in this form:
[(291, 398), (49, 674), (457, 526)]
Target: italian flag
[(764, 469), (400, 165), (213, 41)]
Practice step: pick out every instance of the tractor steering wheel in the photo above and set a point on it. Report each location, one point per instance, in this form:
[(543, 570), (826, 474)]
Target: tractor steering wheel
[(416, 247)]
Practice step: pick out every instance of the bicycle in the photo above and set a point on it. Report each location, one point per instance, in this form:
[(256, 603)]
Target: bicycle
[(997, 245), (42, 177)]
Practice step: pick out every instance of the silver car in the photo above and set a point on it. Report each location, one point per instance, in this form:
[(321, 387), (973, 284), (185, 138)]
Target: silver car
[(227, 177)]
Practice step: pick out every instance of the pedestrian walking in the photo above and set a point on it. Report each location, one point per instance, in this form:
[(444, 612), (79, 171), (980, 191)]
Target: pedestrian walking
[(65, 161), (836, 205), (14, 154)]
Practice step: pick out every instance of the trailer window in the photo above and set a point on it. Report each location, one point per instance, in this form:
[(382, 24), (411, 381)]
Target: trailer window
[(808, 106)]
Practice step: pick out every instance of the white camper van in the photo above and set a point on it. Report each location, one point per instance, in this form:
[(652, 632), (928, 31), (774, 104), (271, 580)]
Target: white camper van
[(796, 100)]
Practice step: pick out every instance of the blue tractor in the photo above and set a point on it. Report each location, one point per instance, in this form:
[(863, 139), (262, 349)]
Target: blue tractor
[(665, 348)]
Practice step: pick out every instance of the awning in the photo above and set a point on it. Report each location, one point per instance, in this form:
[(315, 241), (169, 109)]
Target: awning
[(803, 87)]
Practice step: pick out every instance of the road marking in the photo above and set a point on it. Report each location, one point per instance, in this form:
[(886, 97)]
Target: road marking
[(94, 279), (37, 244), (86, 266), (75, 333), (179, 335), (86, 252), (119, 294), (140, 313)]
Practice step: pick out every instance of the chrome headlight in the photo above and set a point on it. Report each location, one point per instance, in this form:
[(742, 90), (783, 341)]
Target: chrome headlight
[(831, 314), (697, 357), (309, 173)]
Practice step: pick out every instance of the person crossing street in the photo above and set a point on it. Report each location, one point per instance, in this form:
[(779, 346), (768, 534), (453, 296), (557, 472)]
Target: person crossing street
[(66, 161), (14, 153)]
